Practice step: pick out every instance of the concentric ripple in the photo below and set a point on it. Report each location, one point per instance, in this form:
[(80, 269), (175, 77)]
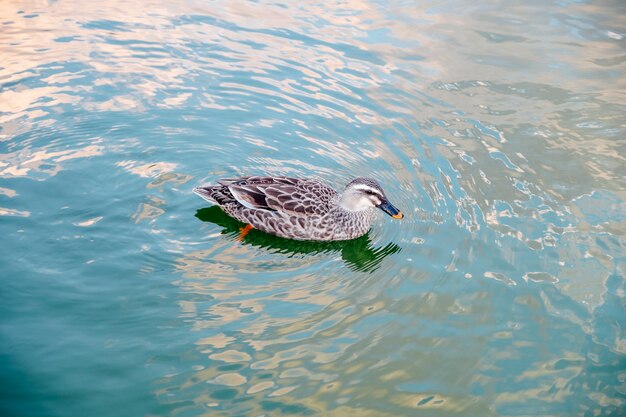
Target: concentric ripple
[(496, 127)]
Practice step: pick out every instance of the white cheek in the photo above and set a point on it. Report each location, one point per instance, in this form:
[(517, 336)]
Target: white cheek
[(364, 203)]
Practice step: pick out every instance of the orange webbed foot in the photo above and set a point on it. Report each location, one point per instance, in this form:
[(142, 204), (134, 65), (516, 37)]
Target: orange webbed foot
[(244, 231)]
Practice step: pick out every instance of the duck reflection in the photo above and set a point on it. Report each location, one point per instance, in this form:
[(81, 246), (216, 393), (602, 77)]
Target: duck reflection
[(358, 254)]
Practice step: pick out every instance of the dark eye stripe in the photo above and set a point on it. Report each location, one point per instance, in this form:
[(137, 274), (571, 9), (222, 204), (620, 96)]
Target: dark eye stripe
[(376, 193), (370, 191)]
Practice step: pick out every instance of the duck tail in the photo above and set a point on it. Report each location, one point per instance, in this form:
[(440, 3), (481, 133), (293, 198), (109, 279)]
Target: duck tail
[(207, 192), (215, 194)]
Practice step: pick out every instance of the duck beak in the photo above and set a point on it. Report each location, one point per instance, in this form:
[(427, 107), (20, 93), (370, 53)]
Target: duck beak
[(388, 208)]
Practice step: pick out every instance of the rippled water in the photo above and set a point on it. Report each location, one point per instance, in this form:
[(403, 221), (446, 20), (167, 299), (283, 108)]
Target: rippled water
[(497, 127)]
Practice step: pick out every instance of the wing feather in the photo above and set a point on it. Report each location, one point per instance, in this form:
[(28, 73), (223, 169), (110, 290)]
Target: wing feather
[(250, 197), (293, 196)]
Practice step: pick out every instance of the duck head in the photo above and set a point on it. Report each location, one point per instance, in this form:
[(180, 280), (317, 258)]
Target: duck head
[(365, 193)]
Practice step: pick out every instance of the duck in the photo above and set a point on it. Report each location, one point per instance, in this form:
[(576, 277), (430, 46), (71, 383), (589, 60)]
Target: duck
[(300, 208)]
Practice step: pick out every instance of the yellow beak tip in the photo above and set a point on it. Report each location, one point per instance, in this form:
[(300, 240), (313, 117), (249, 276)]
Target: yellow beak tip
[(398, 216)]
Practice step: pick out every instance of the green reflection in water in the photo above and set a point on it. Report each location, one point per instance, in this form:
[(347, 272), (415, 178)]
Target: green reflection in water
[(358, 254)]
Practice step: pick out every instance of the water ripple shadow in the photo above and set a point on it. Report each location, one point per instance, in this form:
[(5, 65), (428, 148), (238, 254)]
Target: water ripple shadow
[(358, 254)]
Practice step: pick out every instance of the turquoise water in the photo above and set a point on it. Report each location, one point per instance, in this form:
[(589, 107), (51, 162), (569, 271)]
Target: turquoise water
[(498, 128)]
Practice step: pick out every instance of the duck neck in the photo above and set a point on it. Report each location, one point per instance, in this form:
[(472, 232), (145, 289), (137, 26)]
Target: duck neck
[(345, 209)]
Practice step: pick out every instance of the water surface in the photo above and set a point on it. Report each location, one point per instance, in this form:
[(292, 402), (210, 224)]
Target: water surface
[(497, 127)]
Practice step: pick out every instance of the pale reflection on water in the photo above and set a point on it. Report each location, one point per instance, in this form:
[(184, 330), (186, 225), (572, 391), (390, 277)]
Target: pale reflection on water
[(497, 127)]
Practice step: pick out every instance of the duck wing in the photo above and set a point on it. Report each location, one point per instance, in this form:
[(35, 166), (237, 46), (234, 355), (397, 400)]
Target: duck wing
[(293, 196)]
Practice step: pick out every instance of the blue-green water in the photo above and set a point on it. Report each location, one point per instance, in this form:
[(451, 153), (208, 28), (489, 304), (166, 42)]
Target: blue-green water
[(497, 127)]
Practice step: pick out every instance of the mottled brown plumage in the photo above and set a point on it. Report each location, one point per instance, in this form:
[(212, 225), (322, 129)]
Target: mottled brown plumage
[(301, 209)]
